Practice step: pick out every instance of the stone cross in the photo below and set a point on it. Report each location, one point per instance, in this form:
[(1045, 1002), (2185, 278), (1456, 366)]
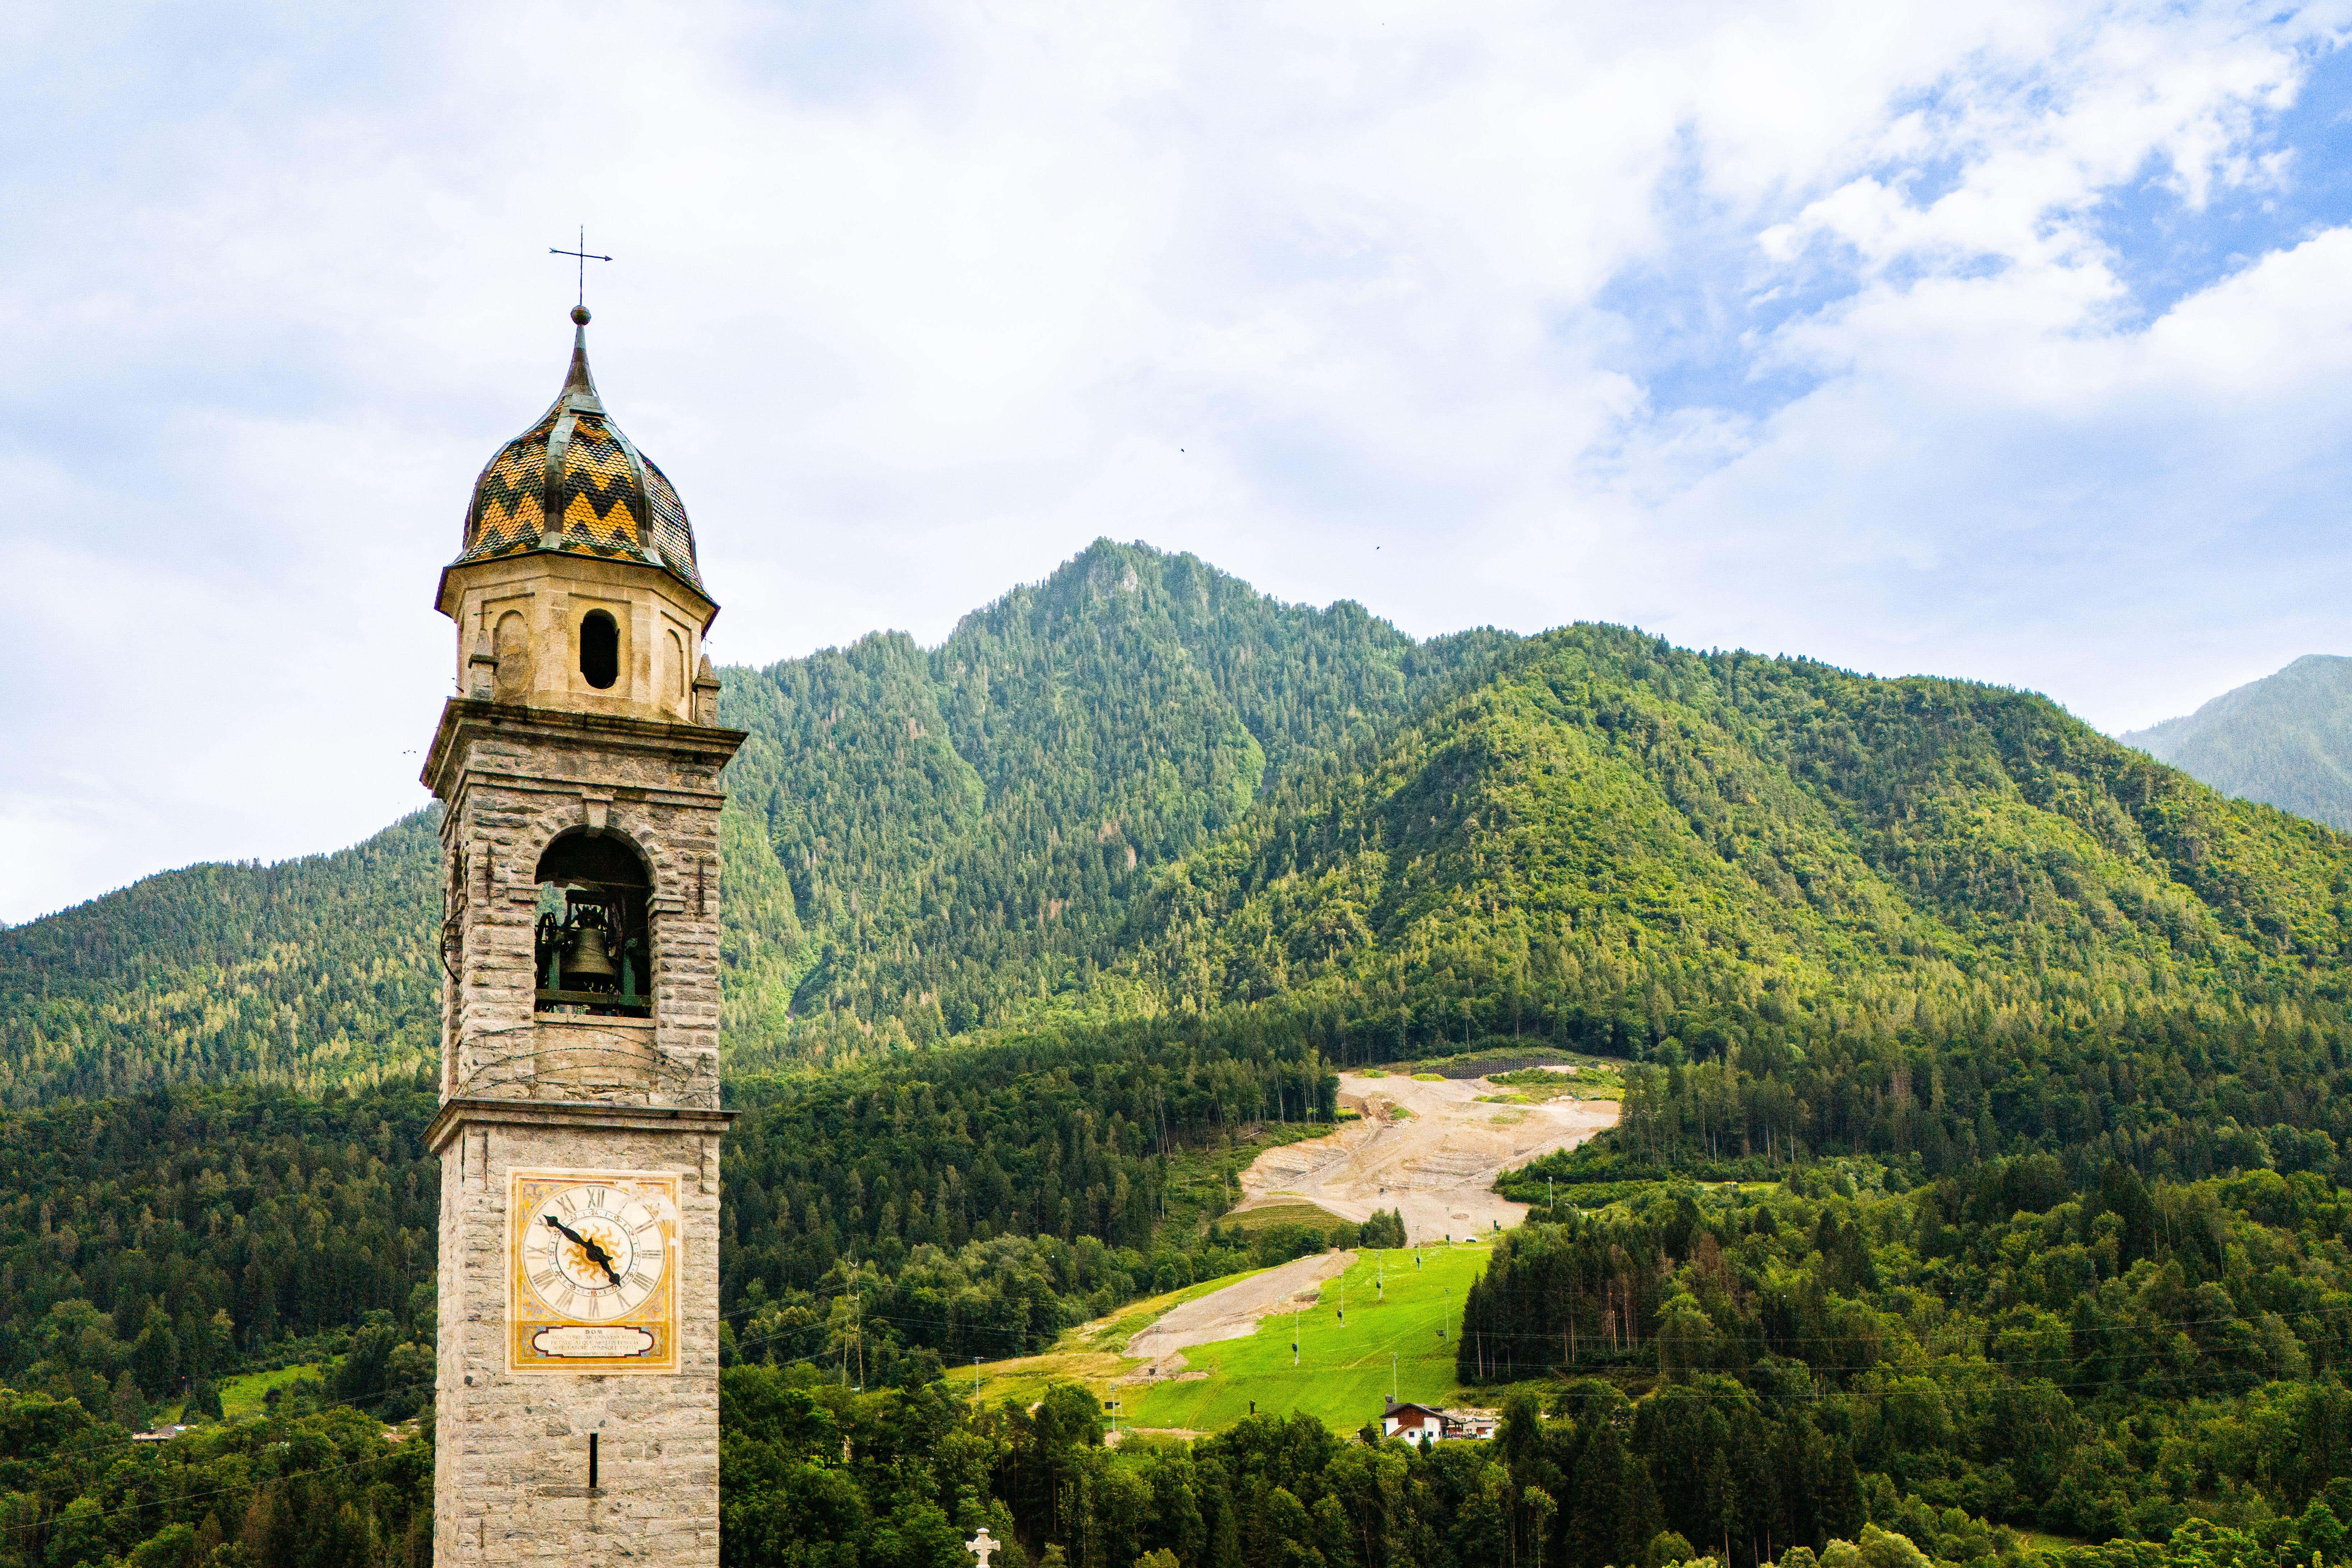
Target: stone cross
[(984, 1545)]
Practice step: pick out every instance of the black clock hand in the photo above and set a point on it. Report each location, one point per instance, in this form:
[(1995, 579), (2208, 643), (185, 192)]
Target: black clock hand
[(597, 1254)]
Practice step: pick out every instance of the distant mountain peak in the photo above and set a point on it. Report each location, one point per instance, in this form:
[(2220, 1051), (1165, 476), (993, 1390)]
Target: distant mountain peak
[(2284, 739)]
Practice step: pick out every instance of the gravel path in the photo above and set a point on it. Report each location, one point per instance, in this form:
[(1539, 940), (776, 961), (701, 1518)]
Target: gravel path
[(1234, 1311)]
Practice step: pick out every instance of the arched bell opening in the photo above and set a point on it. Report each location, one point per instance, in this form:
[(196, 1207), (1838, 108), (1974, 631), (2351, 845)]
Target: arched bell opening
[(594, 941)]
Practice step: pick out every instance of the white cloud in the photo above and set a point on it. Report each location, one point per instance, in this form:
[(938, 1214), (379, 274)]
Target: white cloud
[(914, 301)]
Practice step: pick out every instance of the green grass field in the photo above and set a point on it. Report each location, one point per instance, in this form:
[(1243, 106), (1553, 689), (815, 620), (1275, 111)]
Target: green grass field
[(2042, 1540), (246, 1396), (1342, 1376)]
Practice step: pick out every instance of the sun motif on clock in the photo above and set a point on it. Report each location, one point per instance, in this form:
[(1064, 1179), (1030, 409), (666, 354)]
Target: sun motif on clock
[(591, 1282)]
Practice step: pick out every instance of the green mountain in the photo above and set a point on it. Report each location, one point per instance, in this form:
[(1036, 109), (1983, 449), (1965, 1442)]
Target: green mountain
[(963, 829), (2286, 739), (310, 972), (919, 843), (1141, 790), (1613, 841)]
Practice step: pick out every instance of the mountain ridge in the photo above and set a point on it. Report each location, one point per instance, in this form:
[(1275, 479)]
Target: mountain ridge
[(1614, 840), (1141, 790), (1057, 748), (2284, 739), (867, 878)]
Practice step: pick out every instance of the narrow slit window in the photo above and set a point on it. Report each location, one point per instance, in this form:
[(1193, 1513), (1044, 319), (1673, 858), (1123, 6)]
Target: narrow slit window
[(599, 649)]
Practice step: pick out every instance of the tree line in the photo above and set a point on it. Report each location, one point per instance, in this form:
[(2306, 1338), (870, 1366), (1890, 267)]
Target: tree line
[(2108, 1359)]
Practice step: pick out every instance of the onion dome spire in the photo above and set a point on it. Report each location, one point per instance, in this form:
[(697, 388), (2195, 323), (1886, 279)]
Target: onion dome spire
[(574, 484)]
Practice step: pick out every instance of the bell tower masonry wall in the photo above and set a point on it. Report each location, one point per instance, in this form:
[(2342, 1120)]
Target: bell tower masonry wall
[(530, 1087)]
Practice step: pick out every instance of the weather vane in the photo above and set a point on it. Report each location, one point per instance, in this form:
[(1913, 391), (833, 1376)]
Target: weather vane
[(586, 257)]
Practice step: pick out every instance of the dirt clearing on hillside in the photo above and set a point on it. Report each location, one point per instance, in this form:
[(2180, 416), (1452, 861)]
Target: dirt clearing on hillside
[(1428, 1150), (1234, 1311)]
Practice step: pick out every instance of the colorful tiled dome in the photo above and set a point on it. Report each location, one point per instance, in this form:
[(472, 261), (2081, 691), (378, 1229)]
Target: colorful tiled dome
[(573, 483)]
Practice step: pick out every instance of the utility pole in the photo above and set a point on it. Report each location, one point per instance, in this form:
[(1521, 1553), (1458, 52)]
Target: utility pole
[(857, 1317)]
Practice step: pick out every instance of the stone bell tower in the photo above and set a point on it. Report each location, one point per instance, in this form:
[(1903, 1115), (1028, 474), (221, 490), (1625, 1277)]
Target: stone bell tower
[(577, 1406)]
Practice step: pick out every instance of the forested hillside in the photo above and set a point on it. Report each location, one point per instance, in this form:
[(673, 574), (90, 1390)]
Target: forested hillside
[(2285, 739), (965, 826), (1614, 842), (1915, 916), (153, 1241), (307, 972), (918, 841), (2111, 1357), (150, 1245), (1141, 788)]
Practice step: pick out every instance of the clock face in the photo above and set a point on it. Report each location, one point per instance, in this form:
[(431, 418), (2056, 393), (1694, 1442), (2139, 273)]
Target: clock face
[(592, 1268), (592, 1252)]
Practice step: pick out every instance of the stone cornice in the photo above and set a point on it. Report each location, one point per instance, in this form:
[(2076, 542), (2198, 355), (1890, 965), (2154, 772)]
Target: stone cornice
[(456, 1114), (463, 717)]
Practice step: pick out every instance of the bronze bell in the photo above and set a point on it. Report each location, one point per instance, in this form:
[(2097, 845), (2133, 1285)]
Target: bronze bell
[(590, 960)]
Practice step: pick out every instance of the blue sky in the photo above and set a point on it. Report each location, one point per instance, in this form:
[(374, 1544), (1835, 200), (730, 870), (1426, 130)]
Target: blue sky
[(2009, 342)]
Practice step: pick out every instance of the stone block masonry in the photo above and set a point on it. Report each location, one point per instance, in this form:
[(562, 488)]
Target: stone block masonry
[(511, 1480), (526, 1090)]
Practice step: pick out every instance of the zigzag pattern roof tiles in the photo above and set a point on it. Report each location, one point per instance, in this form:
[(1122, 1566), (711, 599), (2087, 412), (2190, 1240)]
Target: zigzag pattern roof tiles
[(573, 483)]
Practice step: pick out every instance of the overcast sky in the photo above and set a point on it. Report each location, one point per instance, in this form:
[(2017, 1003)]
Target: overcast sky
[(2002, 341)]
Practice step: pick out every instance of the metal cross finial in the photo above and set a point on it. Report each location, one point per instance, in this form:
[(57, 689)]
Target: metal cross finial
[(983, 1546), (585, 256)]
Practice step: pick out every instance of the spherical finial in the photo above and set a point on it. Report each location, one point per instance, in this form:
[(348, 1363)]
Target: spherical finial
[(580, 314)]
